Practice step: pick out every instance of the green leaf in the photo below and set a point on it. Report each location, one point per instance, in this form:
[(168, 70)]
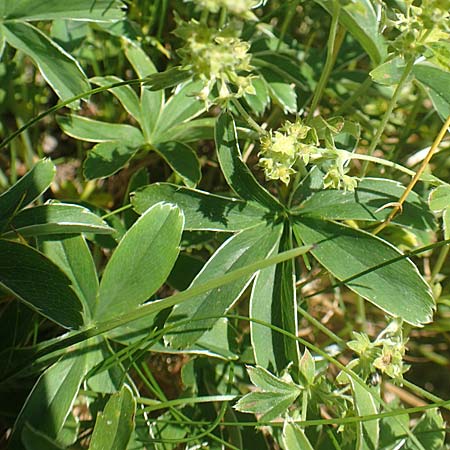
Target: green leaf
[(268, 382), (61, 71), (95, 131), (392, 432), (125, 94), (141, 262), (191, 131), (429, 430), (182, 159), (202, 210), (51, 400), (34, 439), (282, 92), (72, 255), (103, 377), (200, 313), (440, 198), (184, 271), (390, 72), (183, 106), (268, 405), (273, 300), (260, 100), (441, 53), (69, 34), (437, 82), (368, 433), (27, 189), (361, 21), (87, 10), (308, 367), (151, 102), (294, 437), (107, 158), (115, 424), (397, 288), (38, 282), (169, 78), (446, 221), (56, 218), (273, 399), (237, 174), (365, 203)]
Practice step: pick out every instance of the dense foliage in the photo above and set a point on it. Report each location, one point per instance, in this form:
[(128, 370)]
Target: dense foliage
[(224, 224)]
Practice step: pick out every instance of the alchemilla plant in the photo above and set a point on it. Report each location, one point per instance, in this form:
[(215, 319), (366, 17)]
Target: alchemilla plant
[(224, 224)]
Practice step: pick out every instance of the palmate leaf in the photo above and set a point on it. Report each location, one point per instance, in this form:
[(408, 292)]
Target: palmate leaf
[(141, 262), (62, 72), (200, 313), (95, 131), (115, 424), (39, 283), (152, 102), (366, 203), (273, 300), (437, 81), (28, 188), (55, 218), (107, 158), (72, 255), (368, 432), (294, 437), (51, 399), (202, 210), (273, 398), (182, 159), (125, 94), (87, 10), (182, 106), (397, 288)]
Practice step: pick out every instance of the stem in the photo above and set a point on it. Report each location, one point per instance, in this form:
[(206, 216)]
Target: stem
[(117, 211), (245, 115), (286, 22), (387, 114), (304, 404), (416, 177), (334, 42), (399, 167), (358, 93), (61, 105), (439, 263)]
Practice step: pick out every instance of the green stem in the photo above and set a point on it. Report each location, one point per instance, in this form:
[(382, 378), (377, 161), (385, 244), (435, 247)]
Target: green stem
[(286, 22), (392, 103), (439, 263), (422, 392), (245, 115), (358, 93), (331, 57), (367, 158), (65, 103)]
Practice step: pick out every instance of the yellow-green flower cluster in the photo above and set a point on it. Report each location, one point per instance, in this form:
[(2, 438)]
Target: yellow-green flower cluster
[(216, 57), (422, 25), (336, 178), (241, 8), (385, 353), (281, 149)]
